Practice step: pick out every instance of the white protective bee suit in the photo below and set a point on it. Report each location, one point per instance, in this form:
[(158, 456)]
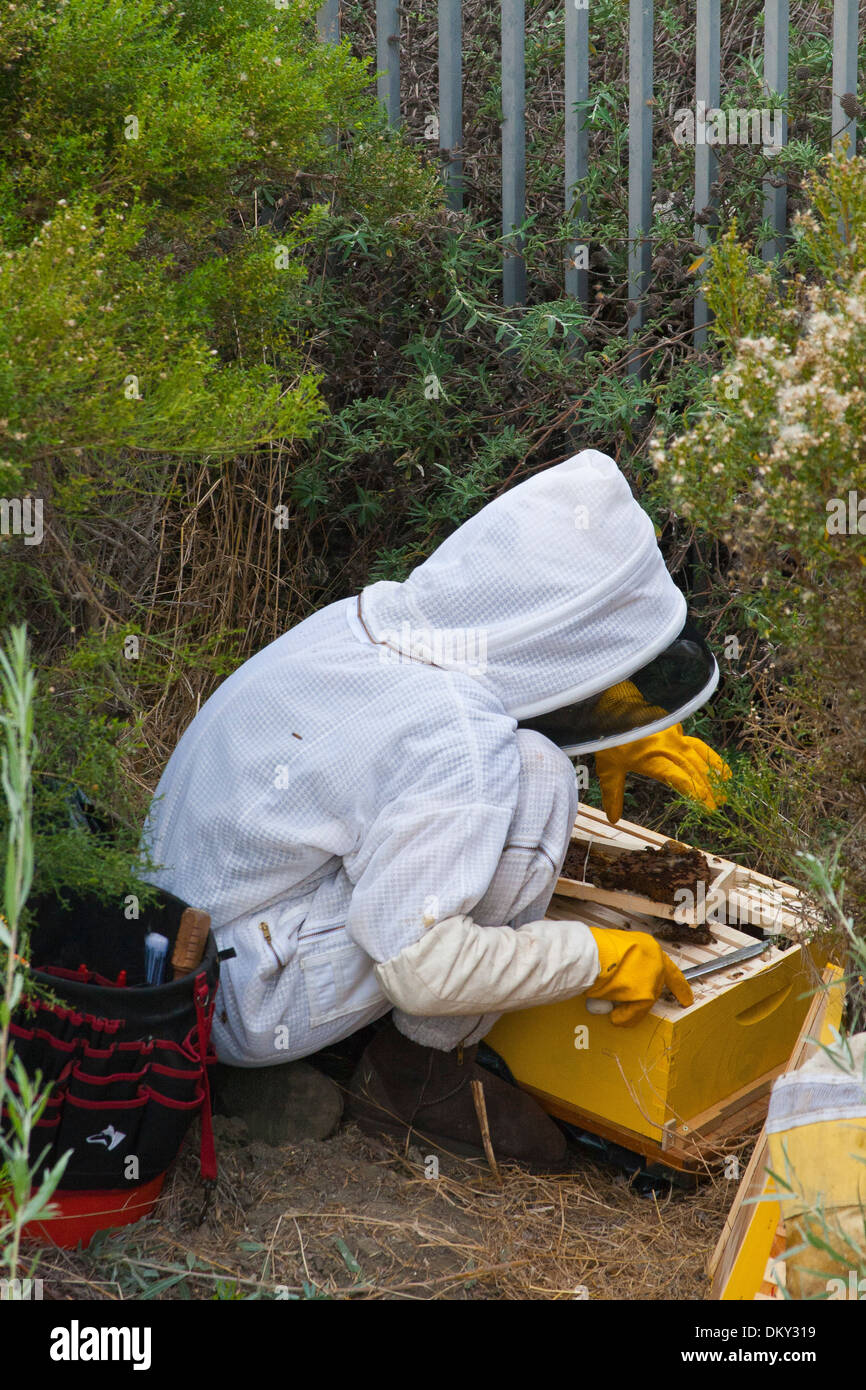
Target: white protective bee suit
[(356, 807)]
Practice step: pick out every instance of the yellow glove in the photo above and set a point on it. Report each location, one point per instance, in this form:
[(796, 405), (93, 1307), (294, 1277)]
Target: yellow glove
[(669, 757), (633, 972)]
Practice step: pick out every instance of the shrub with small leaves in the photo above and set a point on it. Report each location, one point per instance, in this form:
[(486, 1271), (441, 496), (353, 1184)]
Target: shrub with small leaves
[(775, 467)]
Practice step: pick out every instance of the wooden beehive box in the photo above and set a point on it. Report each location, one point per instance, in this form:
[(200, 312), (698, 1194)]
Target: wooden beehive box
[(682, 1081)]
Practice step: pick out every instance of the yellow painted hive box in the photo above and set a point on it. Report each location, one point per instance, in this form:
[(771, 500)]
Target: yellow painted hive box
[(674, 1085)]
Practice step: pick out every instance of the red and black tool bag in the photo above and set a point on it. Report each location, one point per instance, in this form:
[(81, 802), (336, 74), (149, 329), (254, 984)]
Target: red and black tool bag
[(128, 1062)]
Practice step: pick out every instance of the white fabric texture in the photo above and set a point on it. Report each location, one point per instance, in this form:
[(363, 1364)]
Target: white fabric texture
[(550, 594), (352, 792), (830, 1086), (524, 879), (306, 985)]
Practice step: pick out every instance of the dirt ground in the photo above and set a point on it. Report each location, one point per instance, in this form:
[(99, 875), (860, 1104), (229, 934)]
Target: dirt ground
[(355, 1217)]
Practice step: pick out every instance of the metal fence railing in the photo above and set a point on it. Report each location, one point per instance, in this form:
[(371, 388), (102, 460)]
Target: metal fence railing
[(578, 17)]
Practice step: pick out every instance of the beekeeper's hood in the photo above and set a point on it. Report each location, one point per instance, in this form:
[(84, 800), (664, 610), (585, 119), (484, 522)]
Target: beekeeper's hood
[(548, 596)]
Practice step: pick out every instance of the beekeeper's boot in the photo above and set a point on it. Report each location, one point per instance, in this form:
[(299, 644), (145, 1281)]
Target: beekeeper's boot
[(399, 1088)]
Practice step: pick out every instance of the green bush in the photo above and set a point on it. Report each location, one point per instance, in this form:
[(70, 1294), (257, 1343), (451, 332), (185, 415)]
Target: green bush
[(156, 331), (772, 468)]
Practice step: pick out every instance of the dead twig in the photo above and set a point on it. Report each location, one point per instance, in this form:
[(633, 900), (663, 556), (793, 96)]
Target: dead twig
[(481, 1112)]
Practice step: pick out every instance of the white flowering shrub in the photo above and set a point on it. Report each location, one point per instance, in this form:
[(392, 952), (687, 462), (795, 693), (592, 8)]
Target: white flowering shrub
[(774, 467)]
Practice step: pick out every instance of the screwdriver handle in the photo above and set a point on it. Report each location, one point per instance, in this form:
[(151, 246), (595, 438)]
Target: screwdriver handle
[(190, 942)]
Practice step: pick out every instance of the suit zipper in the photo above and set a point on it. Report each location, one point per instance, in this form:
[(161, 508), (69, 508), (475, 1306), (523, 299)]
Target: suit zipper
[(266, 933)]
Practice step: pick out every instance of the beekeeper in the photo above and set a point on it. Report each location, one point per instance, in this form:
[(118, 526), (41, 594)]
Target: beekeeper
[(375, 808)]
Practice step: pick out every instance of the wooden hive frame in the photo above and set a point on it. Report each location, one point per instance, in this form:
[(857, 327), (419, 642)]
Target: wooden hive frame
[(740, 894)]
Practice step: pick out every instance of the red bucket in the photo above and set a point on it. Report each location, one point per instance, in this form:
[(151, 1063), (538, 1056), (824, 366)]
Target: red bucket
[(82, 1214)]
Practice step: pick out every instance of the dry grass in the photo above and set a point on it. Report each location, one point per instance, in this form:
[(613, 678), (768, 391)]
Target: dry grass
[(353, 1217)]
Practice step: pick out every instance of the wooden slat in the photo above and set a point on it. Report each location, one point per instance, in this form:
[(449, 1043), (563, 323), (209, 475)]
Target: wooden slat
[(633, 836), (688, 1153), (697, 1127), (636, 902)]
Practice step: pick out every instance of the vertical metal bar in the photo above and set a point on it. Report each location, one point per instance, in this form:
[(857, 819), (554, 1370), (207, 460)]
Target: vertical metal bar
[(513, 150), (388, 58), (328, 25), (707, 97), (451, 98), (640, 156), (845, 18), (776, 80), (328, 21), (576, 140)]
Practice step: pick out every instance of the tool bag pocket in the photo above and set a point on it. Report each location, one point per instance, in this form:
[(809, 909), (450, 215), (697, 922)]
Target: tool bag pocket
[(40, 1050), (167, 1119), (127, 1062), (83, 1086), (109, 1149)]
